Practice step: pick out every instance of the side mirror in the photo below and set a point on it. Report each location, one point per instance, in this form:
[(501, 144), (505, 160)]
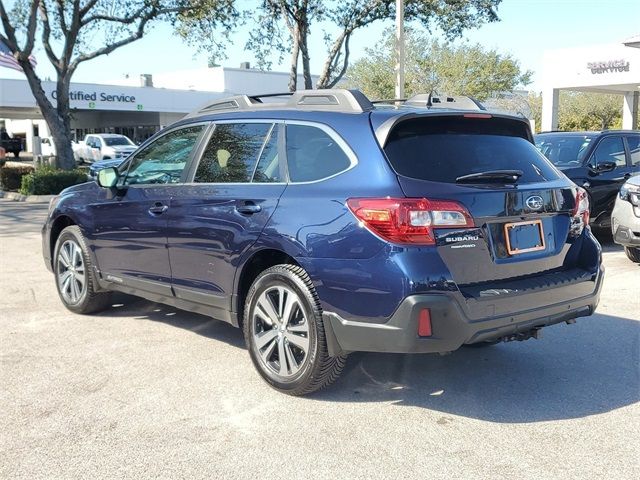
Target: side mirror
[(605, 167), (107, 177)]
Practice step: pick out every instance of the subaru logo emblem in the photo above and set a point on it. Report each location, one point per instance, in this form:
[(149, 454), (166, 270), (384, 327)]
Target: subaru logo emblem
[(534, 202)]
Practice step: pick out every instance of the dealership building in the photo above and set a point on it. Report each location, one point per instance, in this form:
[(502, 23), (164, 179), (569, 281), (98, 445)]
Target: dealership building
[(136, 107), (613, 68)]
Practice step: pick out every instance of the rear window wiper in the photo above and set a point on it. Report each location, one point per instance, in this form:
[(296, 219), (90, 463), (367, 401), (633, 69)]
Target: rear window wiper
[(502, 176)]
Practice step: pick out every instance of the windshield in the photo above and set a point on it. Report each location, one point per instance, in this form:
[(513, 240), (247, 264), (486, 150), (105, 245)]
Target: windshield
[(446, 149), (564, 150), (116, 141)]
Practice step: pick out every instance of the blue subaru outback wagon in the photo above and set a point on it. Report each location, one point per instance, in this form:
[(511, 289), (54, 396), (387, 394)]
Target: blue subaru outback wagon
[(325, 224)]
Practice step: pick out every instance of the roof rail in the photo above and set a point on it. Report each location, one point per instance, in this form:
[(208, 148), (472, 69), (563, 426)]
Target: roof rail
[(340, 100), (461, 102)]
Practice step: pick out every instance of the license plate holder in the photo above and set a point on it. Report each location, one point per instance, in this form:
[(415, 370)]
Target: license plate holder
[(523, 237)]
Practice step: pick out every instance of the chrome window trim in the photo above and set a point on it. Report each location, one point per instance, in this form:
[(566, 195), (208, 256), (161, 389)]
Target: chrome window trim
[(353, 159)]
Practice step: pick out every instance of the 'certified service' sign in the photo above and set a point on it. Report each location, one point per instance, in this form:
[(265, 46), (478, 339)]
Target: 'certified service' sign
[(608, 66)]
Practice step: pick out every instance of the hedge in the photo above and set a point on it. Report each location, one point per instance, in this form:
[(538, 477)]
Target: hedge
[(11, 177), (49, 181)]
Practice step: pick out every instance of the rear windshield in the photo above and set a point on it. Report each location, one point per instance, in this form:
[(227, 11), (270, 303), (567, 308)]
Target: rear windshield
[(564, 150), (441, 149)]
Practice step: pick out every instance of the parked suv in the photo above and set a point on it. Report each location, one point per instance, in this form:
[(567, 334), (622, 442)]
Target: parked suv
[(324, 225), (625, 220), (600, 162)]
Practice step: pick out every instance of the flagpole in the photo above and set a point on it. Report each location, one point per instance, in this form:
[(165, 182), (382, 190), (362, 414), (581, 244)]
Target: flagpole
[(400, 60)]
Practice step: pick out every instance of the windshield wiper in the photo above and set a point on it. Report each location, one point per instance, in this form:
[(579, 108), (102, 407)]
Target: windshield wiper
[(501, 176)]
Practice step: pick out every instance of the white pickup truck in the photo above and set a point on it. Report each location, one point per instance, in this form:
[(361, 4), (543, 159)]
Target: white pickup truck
[(103, 146)]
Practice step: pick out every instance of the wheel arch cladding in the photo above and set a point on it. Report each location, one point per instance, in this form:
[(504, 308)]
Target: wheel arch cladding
[(59, 224), (257, 263)]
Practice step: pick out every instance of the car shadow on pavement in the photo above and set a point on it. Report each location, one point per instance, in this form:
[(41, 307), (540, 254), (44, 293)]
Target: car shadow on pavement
[(574, 371), (123, 305)]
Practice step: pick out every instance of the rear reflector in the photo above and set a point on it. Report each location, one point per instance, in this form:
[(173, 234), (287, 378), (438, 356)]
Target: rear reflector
[(424, 323)]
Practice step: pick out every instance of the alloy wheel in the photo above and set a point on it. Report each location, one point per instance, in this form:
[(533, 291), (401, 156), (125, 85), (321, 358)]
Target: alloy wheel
[(281, 331), (72, 275)]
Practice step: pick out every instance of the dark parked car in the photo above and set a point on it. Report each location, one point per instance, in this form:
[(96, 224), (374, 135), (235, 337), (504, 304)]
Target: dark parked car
[(10, 145), (600, 162), (324, 225)]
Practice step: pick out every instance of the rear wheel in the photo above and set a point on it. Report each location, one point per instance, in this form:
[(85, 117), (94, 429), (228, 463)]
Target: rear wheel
[(633, 253), (74, 274), (284, 332)]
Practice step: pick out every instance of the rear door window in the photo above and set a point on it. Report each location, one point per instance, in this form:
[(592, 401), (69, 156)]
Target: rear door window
[(313, 154), (441, 149), (633, 141), (233, 151)]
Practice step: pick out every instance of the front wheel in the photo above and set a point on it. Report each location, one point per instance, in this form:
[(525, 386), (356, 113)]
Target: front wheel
[(633, 254), (284, 332), (74, 274)]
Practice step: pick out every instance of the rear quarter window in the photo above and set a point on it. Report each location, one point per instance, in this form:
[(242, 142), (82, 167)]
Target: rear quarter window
[(313, 154), (441, 149)]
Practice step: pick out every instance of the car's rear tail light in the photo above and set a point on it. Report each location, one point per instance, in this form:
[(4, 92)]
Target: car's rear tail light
[(424, 323), (580, 215), (409, 220)]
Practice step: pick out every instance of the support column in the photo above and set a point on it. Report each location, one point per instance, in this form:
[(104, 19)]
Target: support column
[(630, 111), (550, 100)]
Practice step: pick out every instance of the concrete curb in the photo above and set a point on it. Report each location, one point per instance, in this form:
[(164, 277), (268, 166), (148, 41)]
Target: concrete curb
[(18, 197)]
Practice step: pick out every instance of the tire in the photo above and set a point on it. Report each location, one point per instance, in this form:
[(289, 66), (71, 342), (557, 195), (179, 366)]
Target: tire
[(633, 254), (73, 270), (301, 339)]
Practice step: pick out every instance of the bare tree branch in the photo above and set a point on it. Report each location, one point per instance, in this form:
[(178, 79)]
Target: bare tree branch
[(107, 49), (46, 38)]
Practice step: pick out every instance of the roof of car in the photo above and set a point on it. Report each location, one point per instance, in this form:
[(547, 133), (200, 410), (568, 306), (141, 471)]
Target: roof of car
[(587, 132), (326, 106), (334, 101)]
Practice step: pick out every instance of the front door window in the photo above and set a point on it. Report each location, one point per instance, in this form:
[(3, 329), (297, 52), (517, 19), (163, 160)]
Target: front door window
[(164, 160)]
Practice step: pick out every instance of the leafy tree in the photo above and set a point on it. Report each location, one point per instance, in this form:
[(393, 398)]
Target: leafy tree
[(436, 66), (73, 32), (589, 111), (582, 111), (279, 27)]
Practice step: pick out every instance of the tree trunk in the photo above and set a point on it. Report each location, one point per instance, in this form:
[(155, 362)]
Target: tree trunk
[(295, 52), (58, 120), (62, 136), (306, 69)]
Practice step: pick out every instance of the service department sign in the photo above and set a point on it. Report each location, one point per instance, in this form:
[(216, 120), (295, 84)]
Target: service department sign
[(608, 66)]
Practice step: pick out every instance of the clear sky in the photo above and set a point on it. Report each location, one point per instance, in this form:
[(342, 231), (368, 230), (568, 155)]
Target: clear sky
[(527, 28)]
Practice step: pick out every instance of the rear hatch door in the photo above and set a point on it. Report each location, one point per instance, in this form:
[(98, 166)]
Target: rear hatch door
[(521, 208)]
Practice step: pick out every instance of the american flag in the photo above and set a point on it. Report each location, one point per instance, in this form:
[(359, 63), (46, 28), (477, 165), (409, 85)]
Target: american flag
[(9, 61)]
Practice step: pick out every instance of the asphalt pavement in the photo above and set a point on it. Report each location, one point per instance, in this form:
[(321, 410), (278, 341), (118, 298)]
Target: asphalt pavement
[(147, 391)]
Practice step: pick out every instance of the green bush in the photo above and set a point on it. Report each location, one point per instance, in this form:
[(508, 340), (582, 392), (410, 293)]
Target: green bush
[(11, 177), (49, 181)]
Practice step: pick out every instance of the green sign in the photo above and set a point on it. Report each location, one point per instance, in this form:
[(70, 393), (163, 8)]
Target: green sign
[(92, 104), (140, 107)]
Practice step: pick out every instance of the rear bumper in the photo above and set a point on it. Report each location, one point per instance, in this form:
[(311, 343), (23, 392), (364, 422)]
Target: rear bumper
[(451, 325)]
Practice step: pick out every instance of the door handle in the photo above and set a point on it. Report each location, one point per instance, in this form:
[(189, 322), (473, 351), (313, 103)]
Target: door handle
[(249, 208), (158, 209)]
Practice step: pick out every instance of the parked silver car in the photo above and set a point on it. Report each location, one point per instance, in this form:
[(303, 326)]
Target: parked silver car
[(625, 219)]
